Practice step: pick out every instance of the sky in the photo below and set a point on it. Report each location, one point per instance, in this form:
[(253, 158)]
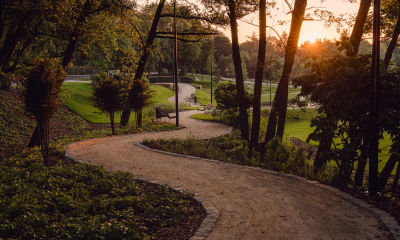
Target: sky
[(310, 29)]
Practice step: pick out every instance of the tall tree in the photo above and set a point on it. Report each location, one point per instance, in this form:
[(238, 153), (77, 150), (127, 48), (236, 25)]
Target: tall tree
[(145, 56), (235, 9), (390, 26), (259, 75), (358, 29), (279, 106)]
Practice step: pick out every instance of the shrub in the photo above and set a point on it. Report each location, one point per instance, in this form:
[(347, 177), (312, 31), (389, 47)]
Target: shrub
[(6, 80), (226, 97), (42, 87), (107, 96), (283, 156)]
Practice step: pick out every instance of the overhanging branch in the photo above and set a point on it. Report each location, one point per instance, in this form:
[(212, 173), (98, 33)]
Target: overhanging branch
[(180, 39), (188, 33)]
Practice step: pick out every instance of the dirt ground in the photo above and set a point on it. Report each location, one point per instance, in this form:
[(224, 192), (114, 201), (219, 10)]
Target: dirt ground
[(253, 203)]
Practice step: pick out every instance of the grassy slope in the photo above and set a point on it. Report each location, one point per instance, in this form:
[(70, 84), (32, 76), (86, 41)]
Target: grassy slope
[(79, 101)]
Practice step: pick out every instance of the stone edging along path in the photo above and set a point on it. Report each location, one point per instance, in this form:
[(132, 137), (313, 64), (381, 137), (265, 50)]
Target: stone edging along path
[(386, 218), (253, 203), (212, 212)]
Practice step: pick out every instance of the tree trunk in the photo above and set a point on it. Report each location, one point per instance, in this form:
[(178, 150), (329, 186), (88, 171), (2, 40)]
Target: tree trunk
[(112, 120), (358, 28), (244, 122), (68, 53), (12, 39), (396, 178), (140, 119), (387, 170), (35, 140), (8, 48), (145, 56), (393, 43), (125, 117), (324, 146), (255, 131), (279, 106), (362, 162), (75, 34)]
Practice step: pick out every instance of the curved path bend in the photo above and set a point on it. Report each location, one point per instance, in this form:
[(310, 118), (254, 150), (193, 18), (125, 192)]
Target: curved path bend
[(252, 203)]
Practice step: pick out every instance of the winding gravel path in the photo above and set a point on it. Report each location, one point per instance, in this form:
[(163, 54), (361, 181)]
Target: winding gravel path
[(253, 203)]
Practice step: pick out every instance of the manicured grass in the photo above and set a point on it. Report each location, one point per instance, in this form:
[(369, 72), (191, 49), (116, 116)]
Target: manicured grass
[(202, 116), (78, 101)]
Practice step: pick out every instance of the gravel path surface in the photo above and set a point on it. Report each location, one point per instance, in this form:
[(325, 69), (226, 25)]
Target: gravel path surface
[(185, 90), (253, 203)]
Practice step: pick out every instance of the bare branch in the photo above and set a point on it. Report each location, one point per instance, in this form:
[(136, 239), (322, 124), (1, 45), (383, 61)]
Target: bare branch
[(180, 39), (188, 33)]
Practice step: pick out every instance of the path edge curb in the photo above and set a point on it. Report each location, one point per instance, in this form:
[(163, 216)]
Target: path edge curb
[(212, 213), (385, 217)]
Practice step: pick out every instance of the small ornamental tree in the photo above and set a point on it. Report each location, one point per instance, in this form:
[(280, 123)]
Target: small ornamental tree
[(208, 65), (107, 96), (217, 76), (42, 86), (138, 98)]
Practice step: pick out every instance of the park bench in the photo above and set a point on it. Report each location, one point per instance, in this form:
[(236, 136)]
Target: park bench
[(160, 113), (206, 107), (192, 96)]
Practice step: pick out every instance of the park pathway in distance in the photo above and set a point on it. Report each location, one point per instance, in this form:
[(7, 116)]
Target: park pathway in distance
[(253, 203)]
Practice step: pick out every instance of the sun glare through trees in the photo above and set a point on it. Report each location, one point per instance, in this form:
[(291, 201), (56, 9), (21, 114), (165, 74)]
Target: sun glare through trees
[(305, 87)]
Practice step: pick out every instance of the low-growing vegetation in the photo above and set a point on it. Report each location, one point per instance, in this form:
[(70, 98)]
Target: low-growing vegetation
[(79, 201), (281, 155)]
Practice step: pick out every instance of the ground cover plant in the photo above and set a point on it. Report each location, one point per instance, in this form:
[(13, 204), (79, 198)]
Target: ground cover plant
[(79, 201), (69, 200)]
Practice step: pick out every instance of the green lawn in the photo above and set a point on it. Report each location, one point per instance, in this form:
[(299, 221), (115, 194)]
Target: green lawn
[(300, 128), (78, 101)]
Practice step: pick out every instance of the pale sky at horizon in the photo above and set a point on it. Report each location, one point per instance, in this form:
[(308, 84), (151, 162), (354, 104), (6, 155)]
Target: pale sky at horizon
[(309, 30)]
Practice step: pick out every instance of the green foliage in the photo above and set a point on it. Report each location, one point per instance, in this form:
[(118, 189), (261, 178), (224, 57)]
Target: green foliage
[(78, 100), (107, 94), (6, 80), (217, 76), (298, 105), (208, 65), (341, 87), (42, 86), (226, 96), (80, 201), (281, 155), (140, 94)]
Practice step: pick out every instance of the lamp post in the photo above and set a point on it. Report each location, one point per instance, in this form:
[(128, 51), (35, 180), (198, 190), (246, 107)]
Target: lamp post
[(211, 69), (374, 142), (176, 68)]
